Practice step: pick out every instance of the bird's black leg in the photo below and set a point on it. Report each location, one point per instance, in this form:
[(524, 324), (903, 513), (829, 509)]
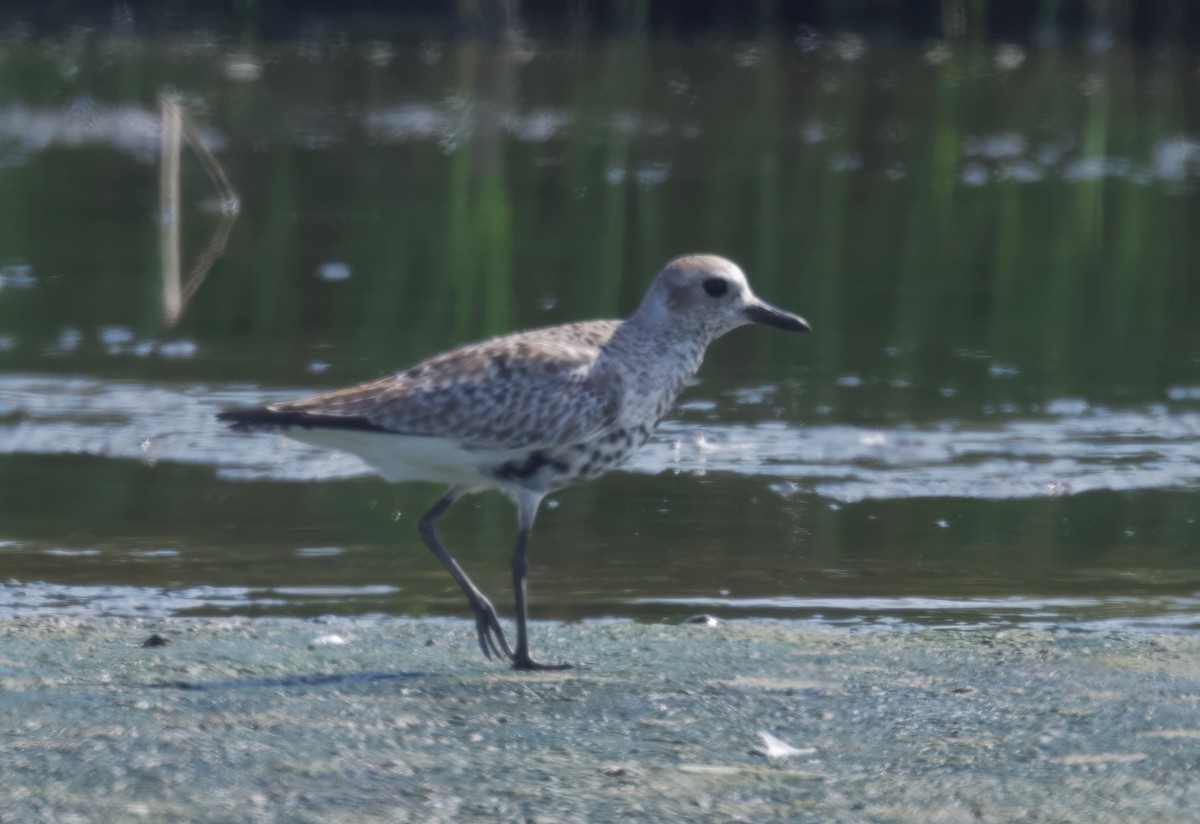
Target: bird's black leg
[(487, 624), (526, 510)]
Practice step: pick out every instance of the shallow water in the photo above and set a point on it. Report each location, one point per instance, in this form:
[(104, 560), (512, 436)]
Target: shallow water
[(996, 419)]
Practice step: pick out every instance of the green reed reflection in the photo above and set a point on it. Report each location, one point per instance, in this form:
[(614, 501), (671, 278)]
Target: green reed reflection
[(951, 190)]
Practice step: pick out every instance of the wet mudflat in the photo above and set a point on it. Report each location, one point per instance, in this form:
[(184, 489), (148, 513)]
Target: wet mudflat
[(401, 720)]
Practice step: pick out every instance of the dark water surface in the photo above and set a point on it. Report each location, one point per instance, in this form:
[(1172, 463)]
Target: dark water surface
[(997, 417)]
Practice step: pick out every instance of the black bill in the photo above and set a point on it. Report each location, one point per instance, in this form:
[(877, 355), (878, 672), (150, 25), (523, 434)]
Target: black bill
[(766, 313)]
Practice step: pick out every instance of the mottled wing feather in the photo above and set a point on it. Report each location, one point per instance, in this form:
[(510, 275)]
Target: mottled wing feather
[(528, 390)]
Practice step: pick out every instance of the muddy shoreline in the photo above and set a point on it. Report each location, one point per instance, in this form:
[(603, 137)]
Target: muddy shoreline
[(402, 720)]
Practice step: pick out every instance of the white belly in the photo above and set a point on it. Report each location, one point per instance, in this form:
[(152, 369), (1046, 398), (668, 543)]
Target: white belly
[(409, 457)]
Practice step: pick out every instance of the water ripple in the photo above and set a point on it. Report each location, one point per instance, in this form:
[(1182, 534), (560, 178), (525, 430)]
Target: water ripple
[(1157, 614), (1084, 450), (40, 598), (1177, 613), (1069, 448)]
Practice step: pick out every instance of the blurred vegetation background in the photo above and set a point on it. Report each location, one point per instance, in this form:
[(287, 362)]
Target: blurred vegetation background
[(1013, 179)]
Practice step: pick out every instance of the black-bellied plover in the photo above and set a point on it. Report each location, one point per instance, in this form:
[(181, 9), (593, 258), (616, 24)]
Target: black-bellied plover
[(530, 412)]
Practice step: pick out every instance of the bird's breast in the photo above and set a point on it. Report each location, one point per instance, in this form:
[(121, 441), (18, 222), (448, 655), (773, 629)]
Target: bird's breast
[(549, 469)]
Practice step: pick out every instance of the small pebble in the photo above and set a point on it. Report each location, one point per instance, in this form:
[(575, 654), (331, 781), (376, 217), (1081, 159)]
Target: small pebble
[(327, 641)]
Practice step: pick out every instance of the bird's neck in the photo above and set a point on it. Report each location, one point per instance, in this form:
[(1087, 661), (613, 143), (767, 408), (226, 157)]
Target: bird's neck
[(657, 359), (659, 344)]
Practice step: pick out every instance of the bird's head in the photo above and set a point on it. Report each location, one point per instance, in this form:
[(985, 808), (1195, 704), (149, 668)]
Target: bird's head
[(708, 295)]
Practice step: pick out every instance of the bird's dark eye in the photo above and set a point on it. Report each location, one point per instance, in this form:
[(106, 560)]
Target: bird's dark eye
[(716, 287)]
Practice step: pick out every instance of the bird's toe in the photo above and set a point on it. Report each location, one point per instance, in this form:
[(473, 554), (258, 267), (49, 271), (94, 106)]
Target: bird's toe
[(524, 662)]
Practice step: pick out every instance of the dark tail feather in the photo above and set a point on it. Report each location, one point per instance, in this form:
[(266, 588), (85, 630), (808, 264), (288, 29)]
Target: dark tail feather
[(265, 419)]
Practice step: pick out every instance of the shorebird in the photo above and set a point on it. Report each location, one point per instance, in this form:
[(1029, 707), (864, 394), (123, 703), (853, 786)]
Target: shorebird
[(530, 412)]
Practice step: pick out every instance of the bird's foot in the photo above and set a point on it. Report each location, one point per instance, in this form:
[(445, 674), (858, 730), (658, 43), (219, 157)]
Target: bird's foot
[(489, 632), (522, 661)]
